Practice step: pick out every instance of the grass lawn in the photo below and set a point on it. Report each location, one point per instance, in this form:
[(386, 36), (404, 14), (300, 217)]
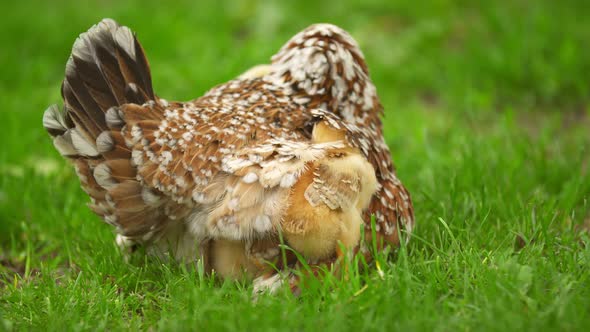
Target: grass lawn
[(486, 115)]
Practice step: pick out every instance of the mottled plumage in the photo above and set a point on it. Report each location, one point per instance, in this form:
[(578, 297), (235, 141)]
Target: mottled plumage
[(295, 147)]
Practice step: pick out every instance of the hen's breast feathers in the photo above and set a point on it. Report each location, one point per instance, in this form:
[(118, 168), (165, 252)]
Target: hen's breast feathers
[(229, 164)]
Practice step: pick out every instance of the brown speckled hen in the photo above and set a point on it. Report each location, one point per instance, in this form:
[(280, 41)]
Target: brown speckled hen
[(294, 147)]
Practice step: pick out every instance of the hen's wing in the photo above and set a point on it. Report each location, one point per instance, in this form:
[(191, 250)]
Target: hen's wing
[(319, 73)]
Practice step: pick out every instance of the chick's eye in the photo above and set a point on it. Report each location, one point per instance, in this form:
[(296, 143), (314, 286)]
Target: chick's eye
[(338, 155), (307, 130)]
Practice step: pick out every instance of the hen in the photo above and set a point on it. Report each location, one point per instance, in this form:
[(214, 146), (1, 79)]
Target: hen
[(293, 150)]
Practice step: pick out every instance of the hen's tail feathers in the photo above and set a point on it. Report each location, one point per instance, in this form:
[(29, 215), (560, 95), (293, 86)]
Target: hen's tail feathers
[(107, 81), (107, 68)]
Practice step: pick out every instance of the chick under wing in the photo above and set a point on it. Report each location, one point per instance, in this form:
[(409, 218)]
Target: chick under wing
[(326, 204)]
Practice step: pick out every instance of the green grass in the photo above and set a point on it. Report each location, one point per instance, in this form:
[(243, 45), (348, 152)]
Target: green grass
[(486, 116)]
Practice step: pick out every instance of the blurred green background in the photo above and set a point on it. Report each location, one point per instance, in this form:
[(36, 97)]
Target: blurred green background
[(486, 113)]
